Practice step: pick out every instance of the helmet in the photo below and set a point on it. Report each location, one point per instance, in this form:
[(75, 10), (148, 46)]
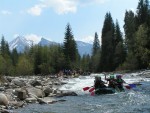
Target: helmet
[(97, 78), (119, 76)]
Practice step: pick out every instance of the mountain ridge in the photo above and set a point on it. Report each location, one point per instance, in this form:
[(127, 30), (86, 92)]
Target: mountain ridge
[(20, 43)]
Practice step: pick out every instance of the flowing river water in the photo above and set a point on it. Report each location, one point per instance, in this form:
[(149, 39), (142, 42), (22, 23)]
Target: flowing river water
[(135, 100)]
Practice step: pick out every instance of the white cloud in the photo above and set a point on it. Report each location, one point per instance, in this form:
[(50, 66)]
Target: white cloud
[(36, 10), (5, 12), (61, 6), (33, 37)]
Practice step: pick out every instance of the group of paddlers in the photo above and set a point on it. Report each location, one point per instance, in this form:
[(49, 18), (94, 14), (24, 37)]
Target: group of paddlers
[(115, 83)]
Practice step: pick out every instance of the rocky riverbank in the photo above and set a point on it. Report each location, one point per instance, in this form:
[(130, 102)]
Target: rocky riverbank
[(17, 92)]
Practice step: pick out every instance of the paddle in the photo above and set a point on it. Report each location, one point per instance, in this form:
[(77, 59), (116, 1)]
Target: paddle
[(129, 86), (93, 93), (92, 89), (132, 85), (86, 88)]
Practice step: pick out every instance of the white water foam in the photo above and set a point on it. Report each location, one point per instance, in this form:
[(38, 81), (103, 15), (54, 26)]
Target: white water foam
[(77, 84)]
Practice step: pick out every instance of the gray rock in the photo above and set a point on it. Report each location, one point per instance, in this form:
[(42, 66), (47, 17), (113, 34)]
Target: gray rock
[(3, 99), (47, 90), (35, 83), (21, 94), (35, 91), (19, 83)]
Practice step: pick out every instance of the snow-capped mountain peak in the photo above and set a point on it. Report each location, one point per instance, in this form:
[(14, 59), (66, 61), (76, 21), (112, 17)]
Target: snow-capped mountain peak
[(20, 43)]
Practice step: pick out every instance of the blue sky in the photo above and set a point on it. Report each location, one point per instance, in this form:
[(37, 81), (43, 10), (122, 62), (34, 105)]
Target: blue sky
[(48, 18)]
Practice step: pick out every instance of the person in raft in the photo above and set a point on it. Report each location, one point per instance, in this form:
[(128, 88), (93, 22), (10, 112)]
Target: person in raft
[(98, 83), (111, 81), (120, 82)]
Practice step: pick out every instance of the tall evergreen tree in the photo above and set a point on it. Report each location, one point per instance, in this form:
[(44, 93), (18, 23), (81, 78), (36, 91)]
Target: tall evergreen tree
[(143, 12), (4, 48), (107, 48), (95, 58), (120, 52), (130, 29), (70, 48), (118, 35), (96, 44)]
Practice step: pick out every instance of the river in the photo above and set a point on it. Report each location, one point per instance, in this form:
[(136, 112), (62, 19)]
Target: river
[(135, 100)]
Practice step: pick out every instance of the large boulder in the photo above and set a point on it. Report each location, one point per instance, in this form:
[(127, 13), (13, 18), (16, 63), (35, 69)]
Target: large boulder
[(47, 90), (3, 99), (20, 93), (35, 91), (35, 83), (18, 82)]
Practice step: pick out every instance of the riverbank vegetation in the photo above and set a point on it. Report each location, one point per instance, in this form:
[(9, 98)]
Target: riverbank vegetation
[(130, 51)]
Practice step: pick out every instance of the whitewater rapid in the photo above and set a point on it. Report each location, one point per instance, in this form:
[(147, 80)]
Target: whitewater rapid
[(77, 84)]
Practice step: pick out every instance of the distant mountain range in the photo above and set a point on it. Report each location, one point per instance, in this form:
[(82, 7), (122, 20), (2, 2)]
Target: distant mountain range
[(20, 43)]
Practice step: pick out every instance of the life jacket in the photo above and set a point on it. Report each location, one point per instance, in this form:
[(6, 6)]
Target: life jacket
[(99, 84), (119, 81), (111, 83)]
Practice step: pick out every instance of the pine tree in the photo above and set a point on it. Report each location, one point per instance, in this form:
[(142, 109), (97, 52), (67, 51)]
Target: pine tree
[(130, 29), (118, 35), (95, 58), (107, 48), (120, 52), (143, 12), (4, 48), (96, 45), (70, 48)]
